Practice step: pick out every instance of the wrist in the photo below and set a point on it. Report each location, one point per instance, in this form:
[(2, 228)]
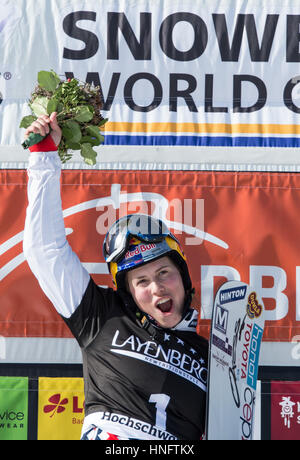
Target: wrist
[(46, 145)]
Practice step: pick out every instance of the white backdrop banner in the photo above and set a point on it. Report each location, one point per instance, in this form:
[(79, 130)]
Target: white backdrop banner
[(207, 74)]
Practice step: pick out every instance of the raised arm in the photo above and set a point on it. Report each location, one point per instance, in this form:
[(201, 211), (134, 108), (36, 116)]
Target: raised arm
[(47, 251)]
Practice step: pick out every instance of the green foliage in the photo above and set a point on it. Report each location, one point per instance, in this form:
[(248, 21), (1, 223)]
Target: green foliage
[(48, 80), (39, 106), (78, 113), (26, 121)]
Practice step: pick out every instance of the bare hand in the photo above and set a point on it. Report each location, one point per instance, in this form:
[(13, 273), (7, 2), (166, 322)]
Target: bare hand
[(41, 126)]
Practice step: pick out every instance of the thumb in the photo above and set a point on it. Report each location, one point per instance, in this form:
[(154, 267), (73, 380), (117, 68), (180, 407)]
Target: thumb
[(56, 131), (53, 121)]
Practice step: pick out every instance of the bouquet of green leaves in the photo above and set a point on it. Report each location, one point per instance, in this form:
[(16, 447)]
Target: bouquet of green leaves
[(78, 108)]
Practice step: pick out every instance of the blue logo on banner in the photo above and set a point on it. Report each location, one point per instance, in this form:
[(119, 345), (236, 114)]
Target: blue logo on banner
[(254, 356), (229, 295)]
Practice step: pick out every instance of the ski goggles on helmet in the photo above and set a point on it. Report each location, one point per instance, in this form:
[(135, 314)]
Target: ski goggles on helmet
[(144, 227)]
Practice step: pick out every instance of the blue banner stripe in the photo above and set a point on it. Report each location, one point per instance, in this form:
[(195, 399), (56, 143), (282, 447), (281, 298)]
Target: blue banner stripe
[(203, 141)]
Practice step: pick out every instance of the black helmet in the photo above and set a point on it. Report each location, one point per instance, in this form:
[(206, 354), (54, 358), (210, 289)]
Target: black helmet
[(137, 239)]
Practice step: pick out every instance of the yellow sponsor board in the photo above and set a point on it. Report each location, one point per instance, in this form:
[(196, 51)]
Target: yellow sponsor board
[(60, 408)]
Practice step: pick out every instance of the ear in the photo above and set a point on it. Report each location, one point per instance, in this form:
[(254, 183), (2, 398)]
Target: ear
[(127, 284)]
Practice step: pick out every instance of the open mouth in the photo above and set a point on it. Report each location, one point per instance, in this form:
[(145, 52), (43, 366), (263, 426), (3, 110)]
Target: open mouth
[(165, 305)]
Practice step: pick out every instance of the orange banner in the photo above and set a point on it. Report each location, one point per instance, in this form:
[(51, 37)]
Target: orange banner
[(233, 225)]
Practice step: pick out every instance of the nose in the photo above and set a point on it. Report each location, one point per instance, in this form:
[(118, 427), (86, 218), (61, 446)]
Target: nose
[(158, 288)]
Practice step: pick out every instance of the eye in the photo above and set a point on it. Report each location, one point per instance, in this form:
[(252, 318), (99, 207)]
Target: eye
[(142, 282)]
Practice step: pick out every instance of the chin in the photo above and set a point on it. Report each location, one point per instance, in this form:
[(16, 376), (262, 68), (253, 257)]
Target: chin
[(168, 322)]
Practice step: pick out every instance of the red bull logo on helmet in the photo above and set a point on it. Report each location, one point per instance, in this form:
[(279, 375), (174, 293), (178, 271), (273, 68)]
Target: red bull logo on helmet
[(141, 253), (139, 249)]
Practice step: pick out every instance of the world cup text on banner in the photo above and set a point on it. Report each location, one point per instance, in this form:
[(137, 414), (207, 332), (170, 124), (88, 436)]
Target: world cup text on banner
[(205, 74)]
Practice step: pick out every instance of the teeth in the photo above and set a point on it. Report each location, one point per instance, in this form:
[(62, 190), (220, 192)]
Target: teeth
[(165, 305), (163, 301)]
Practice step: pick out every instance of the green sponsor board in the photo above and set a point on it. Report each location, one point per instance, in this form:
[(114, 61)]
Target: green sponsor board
[(13, 408)]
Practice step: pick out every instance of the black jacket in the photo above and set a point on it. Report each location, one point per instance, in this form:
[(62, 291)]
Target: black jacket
[(157, 376)]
